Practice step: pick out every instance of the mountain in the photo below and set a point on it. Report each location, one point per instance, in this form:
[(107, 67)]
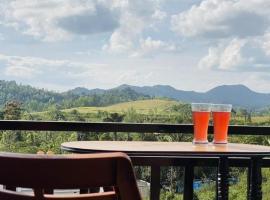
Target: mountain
[(81, 91), (166, 91), (34, 99), (238, 95), (10, 91)]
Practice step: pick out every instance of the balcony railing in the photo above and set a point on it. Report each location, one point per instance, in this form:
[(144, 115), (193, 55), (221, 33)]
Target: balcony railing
[(154, 163)]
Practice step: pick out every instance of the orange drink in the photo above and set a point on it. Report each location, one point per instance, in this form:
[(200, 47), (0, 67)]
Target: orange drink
[(200, 115), (200, 120), (221, 118)]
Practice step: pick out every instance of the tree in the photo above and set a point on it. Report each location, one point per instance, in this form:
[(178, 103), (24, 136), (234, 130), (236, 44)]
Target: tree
[(12, 110), (132, 116), (233, 112), (184, 112), (244, 113), (114, 117), (54, 113), (1, 115), (74, 115)]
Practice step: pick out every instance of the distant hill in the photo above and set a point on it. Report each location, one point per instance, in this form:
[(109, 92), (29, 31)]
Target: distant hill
[(37, 99), (34, 99), (238, 95), (81, 91), (166, 91)]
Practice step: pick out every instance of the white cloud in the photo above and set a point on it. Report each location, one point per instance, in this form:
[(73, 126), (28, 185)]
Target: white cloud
[(65, 74), (159, 15), (237, 55), (39, 68), (21, 71), (124, 20), (58, 20), (102, 19), (223, 18), (136, 16), (134, 77), (122, 40), (211, 60), (239, 28), (257, 81), (150, 47), (231, 56), (224, 58), (265, 42)]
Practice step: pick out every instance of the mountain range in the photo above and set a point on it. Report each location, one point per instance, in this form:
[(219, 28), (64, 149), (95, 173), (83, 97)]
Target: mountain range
[(237, 95), (35, 99)]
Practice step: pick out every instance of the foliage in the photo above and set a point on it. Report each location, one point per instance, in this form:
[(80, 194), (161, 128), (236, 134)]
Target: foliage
[(12, 110), (114, 117), (34, 99), (39, 99)]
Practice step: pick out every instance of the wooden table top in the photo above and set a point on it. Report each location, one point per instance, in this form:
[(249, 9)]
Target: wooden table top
[(143, 148)]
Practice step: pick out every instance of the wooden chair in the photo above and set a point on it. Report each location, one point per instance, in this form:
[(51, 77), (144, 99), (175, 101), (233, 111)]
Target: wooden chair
[(48, 172)]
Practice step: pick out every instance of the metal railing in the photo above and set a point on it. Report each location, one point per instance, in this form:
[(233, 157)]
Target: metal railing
[(154, 162)]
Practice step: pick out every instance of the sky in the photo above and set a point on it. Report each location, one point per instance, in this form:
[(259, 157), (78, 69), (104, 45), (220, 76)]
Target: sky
[(188, 44)]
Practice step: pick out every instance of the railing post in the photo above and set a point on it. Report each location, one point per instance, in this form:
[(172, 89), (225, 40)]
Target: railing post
[(155, 182), (222, 179), (248, 179), (188, 181), (255, 189)]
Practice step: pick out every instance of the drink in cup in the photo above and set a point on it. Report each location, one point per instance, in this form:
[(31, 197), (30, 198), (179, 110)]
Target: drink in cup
[(200, 115), (221, 118)]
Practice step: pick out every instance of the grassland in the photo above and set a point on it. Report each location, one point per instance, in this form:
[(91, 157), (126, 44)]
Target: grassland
[(159, 107), (156, 109), (142, 106)]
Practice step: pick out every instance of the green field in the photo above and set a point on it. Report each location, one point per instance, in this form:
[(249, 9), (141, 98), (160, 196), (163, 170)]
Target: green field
[(142, 106), (161, 108)]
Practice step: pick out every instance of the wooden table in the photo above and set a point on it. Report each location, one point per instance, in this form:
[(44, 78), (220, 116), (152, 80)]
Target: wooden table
[(186, 149)]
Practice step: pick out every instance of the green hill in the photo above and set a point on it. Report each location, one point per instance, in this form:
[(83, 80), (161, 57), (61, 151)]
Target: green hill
[(149, 110), (33, 99), (141, 106)]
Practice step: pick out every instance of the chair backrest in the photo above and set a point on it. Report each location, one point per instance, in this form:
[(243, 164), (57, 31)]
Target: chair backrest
[(48, 172)]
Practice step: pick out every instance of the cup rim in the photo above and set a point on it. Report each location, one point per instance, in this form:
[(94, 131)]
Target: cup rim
[(221, 107), (221, 104), (201, 104), (201, 107)]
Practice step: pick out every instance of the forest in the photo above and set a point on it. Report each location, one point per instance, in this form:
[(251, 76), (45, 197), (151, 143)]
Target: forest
[(34, 99)]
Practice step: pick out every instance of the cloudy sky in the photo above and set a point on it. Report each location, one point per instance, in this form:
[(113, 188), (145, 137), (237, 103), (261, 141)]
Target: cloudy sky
[(188, 44)]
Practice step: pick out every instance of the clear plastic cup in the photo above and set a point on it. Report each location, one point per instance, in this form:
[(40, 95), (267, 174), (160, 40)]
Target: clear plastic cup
[(201, 116), (221, 118)]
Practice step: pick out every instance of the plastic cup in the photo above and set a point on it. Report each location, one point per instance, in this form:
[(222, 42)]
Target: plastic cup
[(201, 116), (221, 118)]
